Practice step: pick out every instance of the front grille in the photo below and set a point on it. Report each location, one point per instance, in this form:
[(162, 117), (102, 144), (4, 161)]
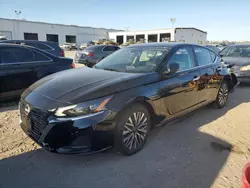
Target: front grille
[(36, 118), (38, 122)]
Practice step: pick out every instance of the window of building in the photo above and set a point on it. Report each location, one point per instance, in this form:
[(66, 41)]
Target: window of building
[(70, 39), (30, 36)]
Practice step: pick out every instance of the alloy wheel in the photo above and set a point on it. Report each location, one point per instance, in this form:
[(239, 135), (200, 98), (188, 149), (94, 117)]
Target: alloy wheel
[(135, 130), (223, 94)]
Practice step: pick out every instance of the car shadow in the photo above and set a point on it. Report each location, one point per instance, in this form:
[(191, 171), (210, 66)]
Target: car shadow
[(8, 105), (177, 155)]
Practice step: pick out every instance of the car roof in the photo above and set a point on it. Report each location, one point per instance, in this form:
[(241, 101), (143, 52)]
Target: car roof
[(246, 44), (36, 41), (17, 45), (160, 44)]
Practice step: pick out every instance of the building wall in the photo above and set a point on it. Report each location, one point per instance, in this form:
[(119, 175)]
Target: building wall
[(190, 36), (112, 35), (83, 34)]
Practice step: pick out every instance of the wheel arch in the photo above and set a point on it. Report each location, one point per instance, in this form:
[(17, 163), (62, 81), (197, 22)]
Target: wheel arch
[(231, 80), (144, 101)]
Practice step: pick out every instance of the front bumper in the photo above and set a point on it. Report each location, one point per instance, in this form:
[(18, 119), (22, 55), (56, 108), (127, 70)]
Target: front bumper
[(242, 76), (82, 135)]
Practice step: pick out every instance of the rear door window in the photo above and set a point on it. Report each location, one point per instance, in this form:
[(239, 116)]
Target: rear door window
[(23, 54), (184, 57), (203, 56), (8, 56), (40, 57)]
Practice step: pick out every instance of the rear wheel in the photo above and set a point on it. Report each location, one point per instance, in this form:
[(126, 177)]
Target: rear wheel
[(132, 129), (222, 96)]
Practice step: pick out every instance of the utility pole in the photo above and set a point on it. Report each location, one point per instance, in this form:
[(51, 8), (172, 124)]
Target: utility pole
[(172, 20)]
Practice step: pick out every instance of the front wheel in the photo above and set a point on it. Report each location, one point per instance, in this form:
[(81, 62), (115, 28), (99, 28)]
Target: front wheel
[(132, 129), (222, 96)]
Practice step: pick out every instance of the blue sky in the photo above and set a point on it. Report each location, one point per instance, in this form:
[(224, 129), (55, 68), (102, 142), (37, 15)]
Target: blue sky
[(222, 19)]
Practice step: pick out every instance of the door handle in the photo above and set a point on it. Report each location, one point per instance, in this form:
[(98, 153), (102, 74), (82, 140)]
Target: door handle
[(196, 78)]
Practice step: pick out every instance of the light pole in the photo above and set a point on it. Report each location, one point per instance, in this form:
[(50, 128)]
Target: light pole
[(172, 20), (18, 12)]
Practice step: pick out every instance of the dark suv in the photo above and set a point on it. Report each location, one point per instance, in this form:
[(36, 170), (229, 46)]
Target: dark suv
[(93, 54), (50, 47), (21, 66)]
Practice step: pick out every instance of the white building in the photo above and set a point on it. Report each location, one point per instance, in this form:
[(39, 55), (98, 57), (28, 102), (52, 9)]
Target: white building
[(30, 30), (188, 35)]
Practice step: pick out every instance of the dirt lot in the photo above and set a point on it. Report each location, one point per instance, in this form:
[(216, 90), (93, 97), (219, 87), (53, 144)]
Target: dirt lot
[(192, 152)]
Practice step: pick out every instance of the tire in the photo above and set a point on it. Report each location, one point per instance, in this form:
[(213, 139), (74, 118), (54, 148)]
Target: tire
[(132, 128), (222, 96)]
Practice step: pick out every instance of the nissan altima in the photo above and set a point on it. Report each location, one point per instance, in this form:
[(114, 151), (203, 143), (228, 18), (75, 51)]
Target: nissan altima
[(118, 101)]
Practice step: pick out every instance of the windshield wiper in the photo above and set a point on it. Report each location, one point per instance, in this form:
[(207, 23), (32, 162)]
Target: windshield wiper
[(110, 69)]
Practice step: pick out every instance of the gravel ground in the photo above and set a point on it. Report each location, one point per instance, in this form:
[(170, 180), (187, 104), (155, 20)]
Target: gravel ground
[(205, 149)]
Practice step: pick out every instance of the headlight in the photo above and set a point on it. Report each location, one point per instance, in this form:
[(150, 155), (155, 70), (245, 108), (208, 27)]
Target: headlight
[(245, 68), (85, 108)]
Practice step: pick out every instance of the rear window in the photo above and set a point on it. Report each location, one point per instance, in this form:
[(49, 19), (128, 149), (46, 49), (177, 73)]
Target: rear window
[(94, 47), (23, 55), (44, 46), (110, 48)]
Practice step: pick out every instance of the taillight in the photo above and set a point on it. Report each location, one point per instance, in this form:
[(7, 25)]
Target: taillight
[(72, 65), (91, 54), (62, 53)]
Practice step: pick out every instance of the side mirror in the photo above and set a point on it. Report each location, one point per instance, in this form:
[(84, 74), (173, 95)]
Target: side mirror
[(173, 68)]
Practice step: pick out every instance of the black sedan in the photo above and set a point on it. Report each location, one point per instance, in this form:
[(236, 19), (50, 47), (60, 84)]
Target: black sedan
[(21, 66), (118, 101), (239, 56)]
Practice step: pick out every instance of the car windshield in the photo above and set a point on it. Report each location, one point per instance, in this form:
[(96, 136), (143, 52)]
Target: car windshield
[(236, 51), (134, 59)]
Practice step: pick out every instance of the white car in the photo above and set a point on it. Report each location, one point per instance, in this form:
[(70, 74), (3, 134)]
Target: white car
[(69, 46), (83, 46)]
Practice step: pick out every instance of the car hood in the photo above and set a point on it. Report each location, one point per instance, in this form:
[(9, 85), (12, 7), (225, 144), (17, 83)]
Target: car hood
[(238, 61), (79, 85)]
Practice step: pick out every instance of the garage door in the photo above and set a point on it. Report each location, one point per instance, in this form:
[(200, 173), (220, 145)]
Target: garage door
[(7, 34)]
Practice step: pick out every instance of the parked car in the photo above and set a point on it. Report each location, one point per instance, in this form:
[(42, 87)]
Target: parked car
[(117, 102), (69, 46), (92, 54), (90, 43), (21, 66), (50, 47), (83, 46), (3, 38), (239, 56)]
